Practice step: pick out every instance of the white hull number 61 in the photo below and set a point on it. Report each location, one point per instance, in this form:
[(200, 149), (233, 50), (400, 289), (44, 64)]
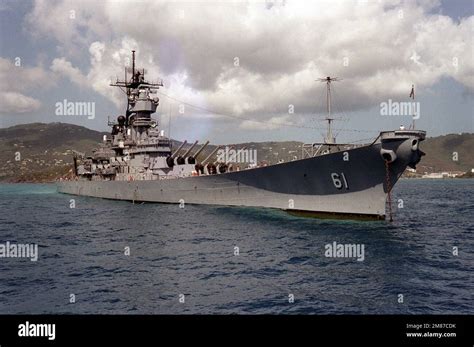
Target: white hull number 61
[(339, 180)]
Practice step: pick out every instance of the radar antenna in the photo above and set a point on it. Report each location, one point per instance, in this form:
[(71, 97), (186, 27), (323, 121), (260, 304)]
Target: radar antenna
[(133, 86)]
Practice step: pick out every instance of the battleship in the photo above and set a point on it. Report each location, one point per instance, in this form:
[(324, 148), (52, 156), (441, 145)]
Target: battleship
[(138, 163)]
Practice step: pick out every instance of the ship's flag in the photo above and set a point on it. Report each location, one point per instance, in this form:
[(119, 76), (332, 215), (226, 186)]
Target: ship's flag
[(412, 93)]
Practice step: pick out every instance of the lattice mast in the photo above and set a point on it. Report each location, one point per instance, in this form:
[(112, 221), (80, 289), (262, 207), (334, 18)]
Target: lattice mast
[(330, 139)]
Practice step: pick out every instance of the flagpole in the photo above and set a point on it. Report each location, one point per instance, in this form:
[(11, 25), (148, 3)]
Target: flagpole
[(412, 96)]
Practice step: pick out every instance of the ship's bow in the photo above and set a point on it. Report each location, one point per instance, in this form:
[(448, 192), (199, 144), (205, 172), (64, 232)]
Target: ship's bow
[(401, 148)]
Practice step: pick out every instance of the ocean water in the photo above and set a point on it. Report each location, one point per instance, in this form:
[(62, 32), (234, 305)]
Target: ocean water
[(190, 253)]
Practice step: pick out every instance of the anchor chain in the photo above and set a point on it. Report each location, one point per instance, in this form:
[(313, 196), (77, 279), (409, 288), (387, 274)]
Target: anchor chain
[(389, 189)]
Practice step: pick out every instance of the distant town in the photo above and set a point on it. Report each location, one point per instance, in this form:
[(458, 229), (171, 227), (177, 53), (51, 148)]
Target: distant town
[(413, 173)]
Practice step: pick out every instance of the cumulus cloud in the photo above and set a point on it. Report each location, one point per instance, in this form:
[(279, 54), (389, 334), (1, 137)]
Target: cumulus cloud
[(256, 59), (72, 23), (65, 68), (272, 123), (16, 80), (106, 66), (13, 102)]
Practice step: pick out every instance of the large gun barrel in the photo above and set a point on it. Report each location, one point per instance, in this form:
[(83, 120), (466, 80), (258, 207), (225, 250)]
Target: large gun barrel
[(192, 158), (179, 148), (210, 155), (200, 150), (190, 149)]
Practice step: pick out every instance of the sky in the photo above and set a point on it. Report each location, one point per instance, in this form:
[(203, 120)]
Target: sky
[(238, 71)]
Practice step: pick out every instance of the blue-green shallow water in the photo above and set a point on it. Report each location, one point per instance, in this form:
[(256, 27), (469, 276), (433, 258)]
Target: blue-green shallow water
[(191, 251)]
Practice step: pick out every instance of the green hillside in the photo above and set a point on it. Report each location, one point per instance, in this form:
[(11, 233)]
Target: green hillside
[(440, 153), (43, 150)]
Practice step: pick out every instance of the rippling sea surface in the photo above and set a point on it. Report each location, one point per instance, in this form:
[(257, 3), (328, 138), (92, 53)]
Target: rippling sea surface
[(191, 251)]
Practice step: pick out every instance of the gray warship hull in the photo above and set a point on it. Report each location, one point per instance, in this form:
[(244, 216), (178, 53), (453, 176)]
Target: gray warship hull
[(352, 183)]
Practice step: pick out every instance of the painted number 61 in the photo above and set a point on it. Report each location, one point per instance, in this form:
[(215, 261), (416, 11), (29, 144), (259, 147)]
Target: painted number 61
[(339, 180)]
